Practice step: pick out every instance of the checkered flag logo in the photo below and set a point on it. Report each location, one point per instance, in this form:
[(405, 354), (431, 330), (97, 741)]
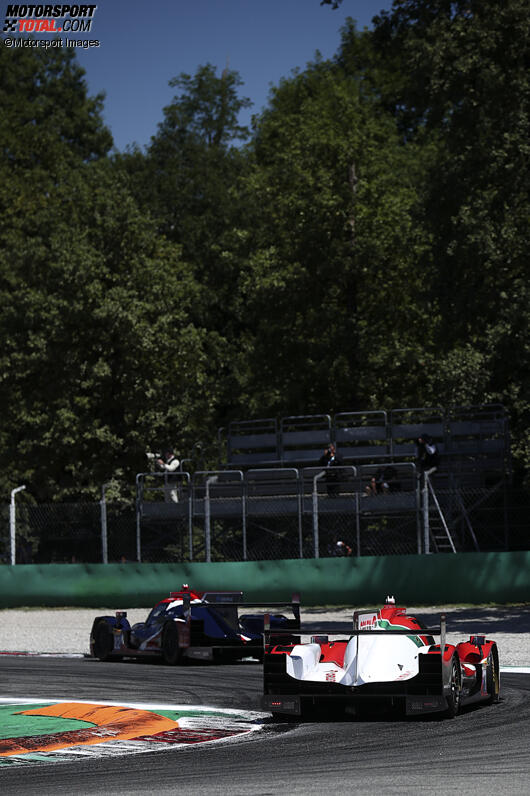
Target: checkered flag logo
[(10, 26)]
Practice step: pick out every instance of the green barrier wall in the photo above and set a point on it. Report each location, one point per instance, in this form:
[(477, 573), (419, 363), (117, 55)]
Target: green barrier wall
[(470, 578)]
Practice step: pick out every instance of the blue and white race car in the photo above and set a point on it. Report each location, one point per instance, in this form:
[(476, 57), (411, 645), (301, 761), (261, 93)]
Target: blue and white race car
[(189, 624)]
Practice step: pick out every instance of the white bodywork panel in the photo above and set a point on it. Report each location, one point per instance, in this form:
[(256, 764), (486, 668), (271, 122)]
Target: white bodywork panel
[(368, 659)]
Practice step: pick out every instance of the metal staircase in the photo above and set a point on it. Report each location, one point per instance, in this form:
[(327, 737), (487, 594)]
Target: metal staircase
[(436, 527)]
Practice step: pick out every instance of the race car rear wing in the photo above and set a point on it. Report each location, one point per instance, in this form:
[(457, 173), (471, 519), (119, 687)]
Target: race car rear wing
[(321, 635), (290, 624)]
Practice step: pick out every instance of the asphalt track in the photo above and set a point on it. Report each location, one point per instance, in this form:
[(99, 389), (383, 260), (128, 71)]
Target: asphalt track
[(483, 749)]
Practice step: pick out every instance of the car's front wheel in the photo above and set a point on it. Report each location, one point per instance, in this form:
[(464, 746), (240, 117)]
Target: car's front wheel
[(171, 652)]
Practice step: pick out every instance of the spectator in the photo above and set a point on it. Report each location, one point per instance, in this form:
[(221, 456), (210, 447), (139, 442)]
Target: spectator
[(381, 482), (329, 460), (427, 457), (342, 549), (378, 484), (169, 463)]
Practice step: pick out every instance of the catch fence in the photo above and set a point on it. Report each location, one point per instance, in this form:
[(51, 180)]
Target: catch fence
[(263, 515)]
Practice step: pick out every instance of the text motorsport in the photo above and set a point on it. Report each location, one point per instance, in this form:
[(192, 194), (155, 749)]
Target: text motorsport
[(48, 19)]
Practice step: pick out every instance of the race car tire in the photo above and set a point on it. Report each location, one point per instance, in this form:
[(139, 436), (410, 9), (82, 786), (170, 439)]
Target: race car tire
[(171, 652), (493, 677), (453, 699), (103, 641)]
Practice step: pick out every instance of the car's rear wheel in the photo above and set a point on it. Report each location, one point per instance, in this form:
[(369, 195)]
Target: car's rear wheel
[(493, 682), (103, 641), (171, 652), (453, 698)]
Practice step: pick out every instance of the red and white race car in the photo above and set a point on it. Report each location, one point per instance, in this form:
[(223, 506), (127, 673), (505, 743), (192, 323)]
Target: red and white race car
[(388, 660)]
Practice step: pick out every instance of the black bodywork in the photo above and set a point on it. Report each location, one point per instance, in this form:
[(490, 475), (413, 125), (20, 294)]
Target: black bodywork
[(213, 629)]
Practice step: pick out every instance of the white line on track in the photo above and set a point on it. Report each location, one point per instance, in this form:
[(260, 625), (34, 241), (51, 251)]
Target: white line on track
[(515, 669)]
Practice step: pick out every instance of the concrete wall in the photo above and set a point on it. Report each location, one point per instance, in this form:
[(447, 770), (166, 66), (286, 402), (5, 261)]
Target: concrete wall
[(470, 578)]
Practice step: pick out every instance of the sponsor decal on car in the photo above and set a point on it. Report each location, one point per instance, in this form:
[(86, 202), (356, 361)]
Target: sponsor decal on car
[(368, 621)]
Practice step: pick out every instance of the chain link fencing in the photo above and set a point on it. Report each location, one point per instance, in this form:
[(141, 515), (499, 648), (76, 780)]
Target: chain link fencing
[(67, 533), (264, 515)]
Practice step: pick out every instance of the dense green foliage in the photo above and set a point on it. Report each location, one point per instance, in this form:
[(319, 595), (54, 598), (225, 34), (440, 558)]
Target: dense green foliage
[(101, 351), (363, 247), (465, 80)]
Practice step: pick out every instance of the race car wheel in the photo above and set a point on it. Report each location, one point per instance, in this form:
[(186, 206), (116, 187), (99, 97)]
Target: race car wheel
[(493, 681), (103, 641), (171, 652), (453, 699)]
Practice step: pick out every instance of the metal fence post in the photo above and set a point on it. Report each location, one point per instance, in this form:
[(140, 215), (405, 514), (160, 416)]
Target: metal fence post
[(104, 538), (12, 524), (207, 517), (358, 523), (139, 496), (244, 516), (190, 515), (316, 541), (426, 527), (300, 506), (418, 496)]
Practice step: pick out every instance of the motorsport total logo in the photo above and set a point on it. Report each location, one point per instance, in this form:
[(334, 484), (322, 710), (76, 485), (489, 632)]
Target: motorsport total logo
[(23, 24)]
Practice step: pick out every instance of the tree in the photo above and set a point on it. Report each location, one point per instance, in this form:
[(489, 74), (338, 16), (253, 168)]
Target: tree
[(190, 163), (187, 178), (101, 357), (331, 249), (467, 81), (101, 354), (208, 108), (48, 120)]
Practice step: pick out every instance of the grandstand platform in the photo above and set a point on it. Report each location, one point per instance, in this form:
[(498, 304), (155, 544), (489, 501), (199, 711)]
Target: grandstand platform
[(473, 441), (270, 488)]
